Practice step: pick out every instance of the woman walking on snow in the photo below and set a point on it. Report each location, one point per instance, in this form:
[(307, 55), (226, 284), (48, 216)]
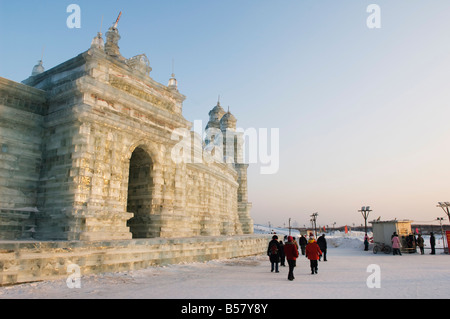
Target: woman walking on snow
[(396, 245), (291, 252), (313, 253)]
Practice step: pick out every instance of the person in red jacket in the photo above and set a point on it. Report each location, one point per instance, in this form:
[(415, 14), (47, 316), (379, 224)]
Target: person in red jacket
[(291, 252), (313, 253)]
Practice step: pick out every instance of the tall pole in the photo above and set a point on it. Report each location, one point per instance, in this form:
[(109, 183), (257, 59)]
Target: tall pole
[(440, 219), (117, 21), (314, 220), (289, 227), (365, 210)]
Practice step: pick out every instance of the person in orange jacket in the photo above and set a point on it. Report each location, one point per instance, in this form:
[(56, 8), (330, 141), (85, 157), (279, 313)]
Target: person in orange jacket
[(291, 252), (313, 253)]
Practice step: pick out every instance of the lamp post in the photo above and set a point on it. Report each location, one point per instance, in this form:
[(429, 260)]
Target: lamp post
[(365, 210), (440, 219), (445, 207), (313, 220)]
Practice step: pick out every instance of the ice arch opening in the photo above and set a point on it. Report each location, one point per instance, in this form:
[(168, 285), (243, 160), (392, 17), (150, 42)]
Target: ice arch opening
[(140, 185)]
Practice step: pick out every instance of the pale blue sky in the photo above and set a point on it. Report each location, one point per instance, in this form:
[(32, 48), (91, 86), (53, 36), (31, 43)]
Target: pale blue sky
[(363, 113)]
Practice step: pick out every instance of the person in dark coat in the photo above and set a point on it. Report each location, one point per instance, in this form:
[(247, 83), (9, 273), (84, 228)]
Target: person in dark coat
[(303, 242), (322, 242), (432, 243), (282, 255), (273, 251), (366, 242), (420, 243), (291, 252)]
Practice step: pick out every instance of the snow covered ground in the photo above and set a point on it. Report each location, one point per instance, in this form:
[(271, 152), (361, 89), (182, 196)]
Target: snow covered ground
[(344, 275)]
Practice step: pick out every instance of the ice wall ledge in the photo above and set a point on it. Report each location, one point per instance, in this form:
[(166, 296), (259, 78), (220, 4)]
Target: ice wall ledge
[(29, 261)]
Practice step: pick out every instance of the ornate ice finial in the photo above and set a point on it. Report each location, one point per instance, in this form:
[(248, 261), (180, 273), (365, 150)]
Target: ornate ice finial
[(228, 121), (112, 40), (215, 115), (98, 42), (173, 83), (38, 68), (140, 64)]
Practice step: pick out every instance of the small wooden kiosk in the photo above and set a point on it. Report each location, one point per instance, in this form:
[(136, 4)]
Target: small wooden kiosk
[(383, 231)]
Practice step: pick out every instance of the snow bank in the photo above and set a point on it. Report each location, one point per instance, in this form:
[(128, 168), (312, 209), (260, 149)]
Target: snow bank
[(342, 240), (352, 239)]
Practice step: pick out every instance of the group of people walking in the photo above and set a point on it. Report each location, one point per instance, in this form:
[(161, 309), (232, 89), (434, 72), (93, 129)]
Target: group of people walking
[(279, 252)]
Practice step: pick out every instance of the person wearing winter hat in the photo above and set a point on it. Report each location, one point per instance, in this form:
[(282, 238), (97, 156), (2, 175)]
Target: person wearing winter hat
[(313, 253), (273, 251), (291, 252)]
